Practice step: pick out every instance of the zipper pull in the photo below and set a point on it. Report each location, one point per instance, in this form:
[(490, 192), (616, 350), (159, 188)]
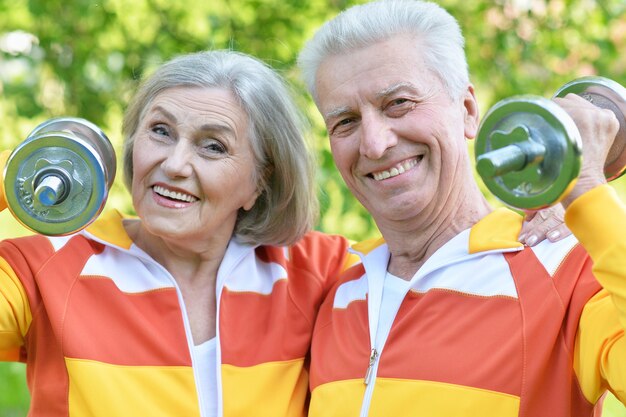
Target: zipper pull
[(368, 372)]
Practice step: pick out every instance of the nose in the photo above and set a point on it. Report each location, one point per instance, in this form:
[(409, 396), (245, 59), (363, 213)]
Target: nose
[(376, 137), (177, 162)]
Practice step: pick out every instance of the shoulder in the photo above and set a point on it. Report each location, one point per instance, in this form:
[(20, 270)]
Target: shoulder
[(311, 244)]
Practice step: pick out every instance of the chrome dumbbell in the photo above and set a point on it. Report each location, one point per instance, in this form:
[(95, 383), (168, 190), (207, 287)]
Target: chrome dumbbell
[(529, 151), (57, 180)]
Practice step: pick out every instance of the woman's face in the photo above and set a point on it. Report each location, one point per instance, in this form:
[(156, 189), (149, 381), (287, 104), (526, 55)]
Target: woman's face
[(193, 166)]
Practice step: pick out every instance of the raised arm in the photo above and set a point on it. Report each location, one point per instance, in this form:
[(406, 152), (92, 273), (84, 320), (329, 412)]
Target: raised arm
[(597, 218)]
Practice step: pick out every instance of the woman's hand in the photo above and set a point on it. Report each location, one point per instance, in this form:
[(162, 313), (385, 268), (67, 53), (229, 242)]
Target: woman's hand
[(544, 224)]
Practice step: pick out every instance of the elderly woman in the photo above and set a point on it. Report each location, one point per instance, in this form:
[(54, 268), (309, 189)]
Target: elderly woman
[(204, 303)]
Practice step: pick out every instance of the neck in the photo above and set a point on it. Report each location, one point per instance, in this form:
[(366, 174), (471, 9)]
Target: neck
[(186, 261), (412, 242), (194, 266)]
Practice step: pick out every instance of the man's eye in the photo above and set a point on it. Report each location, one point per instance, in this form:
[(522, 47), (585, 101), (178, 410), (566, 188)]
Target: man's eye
[(343, 125), (398, 102), (399, 107)]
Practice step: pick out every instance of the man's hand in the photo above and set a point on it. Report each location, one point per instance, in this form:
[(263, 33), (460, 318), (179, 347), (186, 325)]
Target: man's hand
[(597, 128)]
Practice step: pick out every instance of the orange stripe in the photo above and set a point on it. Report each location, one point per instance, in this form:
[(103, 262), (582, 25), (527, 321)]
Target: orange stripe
[(257, 328), (46, 372), (424, 342), (550, 384), (26, 255), (142, 329)]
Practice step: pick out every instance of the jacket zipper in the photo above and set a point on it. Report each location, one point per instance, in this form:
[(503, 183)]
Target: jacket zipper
[(370, 368), (370, 382)]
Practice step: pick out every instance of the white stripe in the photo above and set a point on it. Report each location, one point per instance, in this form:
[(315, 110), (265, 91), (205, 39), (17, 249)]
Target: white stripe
[(59, 241), (487, 275), (451, 267), (254, 275), (551, 255), (116, 264), (350, 291)]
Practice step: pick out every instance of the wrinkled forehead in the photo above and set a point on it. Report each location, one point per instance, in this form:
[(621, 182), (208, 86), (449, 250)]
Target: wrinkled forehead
[(367, 75)]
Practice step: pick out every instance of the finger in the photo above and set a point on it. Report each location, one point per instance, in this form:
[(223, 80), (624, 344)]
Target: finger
[(558, 233), (544, 224)]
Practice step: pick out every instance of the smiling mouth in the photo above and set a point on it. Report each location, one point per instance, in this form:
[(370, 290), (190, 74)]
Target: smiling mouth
[(396, 170), (174, 195)]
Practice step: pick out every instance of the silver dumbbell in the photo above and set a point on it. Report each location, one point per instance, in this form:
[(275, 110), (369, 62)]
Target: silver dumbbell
[(529, 151), (57, 180)]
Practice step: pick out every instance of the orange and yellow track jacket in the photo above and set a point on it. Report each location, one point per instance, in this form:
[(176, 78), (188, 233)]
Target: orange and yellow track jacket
[(103, 330), (486, 327)]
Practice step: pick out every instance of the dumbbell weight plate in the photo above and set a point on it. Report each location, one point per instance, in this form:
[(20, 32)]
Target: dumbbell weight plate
[(545, 179), (607, 94), (78, 156), (88, 132)]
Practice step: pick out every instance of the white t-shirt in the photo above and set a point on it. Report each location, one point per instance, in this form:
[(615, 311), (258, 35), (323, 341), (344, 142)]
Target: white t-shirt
[(394, 291), (205, 356)]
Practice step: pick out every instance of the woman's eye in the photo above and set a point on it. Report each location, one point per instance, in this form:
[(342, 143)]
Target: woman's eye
[(160, 130), (213, 146)]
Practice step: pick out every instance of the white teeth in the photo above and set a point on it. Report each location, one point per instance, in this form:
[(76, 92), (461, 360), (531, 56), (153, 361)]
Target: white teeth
[(173, 194), (397, 170)]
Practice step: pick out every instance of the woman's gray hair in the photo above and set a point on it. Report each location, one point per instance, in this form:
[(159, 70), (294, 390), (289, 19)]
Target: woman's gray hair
[(437, 36), (287, 206)]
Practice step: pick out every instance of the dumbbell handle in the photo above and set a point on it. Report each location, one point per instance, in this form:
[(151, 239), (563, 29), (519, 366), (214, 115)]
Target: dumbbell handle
[(510, 158), (50, 190)]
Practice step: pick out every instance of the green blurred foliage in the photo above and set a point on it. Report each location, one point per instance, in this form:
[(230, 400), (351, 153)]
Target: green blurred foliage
[(84, 58)]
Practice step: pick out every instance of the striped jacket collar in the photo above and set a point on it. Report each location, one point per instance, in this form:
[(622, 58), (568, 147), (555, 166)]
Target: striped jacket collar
[(497, 231)]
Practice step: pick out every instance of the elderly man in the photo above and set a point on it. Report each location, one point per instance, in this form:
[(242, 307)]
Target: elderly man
[(447, 314)]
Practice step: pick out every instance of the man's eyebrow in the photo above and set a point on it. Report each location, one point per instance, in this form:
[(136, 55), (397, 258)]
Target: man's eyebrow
[(337, 112), (395, 88)]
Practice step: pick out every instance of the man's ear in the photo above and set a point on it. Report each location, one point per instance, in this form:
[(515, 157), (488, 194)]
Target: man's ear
[(471, 119)]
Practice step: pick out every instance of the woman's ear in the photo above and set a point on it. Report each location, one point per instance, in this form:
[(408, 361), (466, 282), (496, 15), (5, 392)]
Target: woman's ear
[(471, 119), (266, 175), (250, 203)]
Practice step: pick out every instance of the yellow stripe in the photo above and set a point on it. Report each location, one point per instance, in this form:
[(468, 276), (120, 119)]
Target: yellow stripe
[(109, 227), (498, 230), (269, 389), (338, 399), (600, 349), (103, 390), (598, 219), (369, 245), (15, 314), (401, 397)]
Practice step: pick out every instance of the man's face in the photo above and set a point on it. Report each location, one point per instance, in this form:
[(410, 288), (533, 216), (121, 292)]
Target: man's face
[(397, 137)]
